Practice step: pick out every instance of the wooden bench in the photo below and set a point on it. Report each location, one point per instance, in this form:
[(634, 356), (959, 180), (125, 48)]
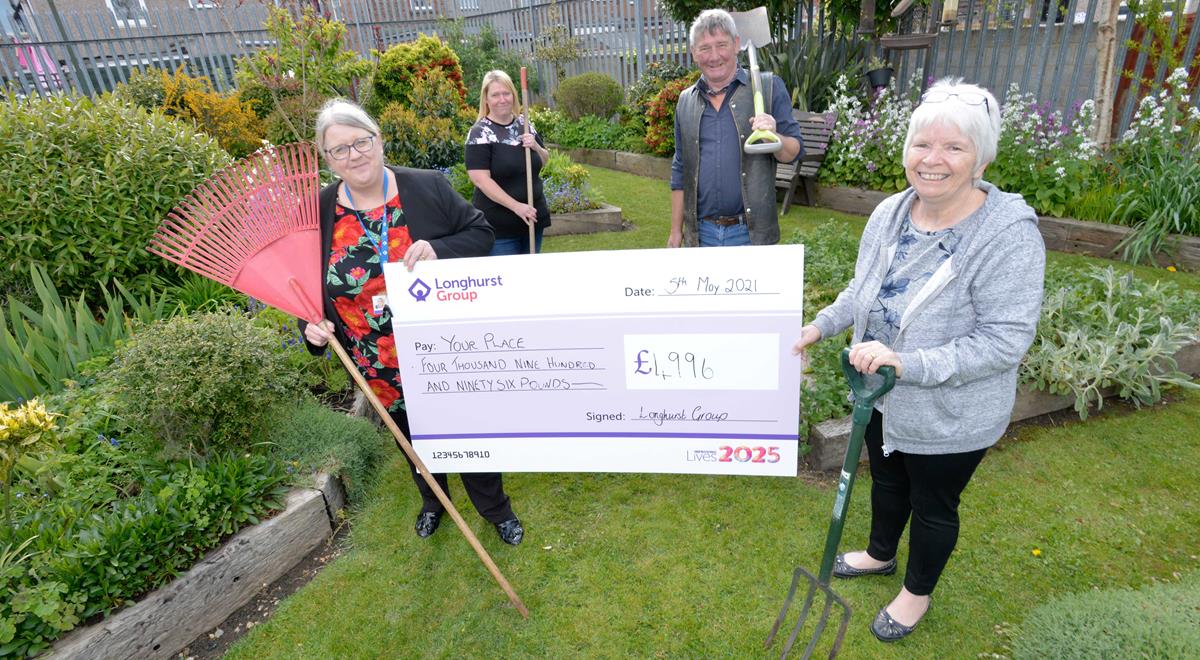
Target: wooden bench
[(816, 129)]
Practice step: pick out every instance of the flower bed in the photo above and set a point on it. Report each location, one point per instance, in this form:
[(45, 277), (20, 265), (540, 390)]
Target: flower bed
[(166, 620), (1096, 239), (1147, 181)]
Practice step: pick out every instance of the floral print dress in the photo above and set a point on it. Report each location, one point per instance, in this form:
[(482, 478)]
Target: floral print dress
[(354, 281)]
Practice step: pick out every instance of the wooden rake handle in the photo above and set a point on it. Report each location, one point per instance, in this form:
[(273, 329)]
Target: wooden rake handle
[(528, 157), (407, 448)]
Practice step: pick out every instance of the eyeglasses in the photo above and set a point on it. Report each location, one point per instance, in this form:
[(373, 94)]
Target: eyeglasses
[(970, 98), (362, 145)]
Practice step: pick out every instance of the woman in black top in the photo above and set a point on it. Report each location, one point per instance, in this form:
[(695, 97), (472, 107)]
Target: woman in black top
[(495, 157), (375, 214)]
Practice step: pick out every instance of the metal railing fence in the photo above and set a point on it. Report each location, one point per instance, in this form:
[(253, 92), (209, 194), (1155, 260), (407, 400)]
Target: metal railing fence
[(1043, 48)]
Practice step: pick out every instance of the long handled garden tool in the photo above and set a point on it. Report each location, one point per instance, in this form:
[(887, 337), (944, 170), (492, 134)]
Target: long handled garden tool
[(864, 403), (755, 30), (254, 226), (528, 156)]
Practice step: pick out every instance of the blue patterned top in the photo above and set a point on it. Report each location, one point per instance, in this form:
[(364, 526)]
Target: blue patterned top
[(918, 255)]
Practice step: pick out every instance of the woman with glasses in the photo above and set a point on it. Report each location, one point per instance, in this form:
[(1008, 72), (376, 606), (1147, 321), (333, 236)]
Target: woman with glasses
[(947, 289), (495, 157), (375, 214)]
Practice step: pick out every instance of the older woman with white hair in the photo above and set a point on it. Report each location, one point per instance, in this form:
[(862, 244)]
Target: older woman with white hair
[(375, 214), (947, 289)]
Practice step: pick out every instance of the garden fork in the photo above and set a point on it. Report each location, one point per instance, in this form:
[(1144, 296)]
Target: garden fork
[(864, 403)]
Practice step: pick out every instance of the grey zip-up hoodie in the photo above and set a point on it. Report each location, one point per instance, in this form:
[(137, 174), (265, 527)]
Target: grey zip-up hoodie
[(963, 336)]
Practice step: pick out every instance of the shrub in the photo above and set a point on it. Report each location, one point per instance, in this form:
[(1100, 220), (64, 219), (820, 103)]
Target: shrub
[(225, 117), (461, 181), (652, 80), (309, 437), (590, 132), (1100, 329), (1159, 621), (589, 93), (436, 95), (145, 88), (42, 347), (234, 370), (560, 167), (86, 184), (307, 64), (324, 376), (660, 120), (293, 118), (403, 64), (479, 53), (547, 122), (416, 141)]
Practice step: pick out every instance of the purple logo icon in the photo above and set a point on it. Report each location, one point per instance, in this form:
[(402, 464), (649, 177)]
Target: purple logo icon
[(419, 290)]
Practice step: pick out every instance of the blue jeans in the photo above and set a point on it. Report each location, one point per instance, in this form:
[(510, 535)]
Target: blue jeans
[(516, 244), (712, 234)]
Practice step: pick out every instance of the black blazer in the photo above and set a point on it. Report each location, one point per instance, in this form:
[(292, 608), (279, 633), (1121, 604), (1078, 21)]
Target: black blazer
[(433, 211)]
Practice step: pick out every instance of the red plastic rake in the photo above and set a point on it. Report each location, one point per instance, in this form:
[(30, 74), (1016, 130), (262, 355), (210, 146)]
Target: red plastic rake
[(255, 227)]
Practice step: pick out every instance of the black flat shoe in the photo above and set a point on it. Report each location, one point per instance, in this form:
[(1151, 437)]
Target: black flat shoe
[(843, 570), (511, 531), (427, 523), (887, 629)]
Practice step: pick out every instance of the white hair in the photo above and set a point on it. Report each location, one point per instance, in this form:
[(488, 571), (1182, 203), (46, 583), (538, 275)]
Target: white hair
[(710, 21), (979, 123), (341, 112)]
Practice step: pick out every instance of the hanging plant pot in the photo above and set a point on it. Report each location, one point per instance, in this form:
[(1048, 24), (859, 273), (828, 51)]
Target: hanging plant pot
[(879, 77)]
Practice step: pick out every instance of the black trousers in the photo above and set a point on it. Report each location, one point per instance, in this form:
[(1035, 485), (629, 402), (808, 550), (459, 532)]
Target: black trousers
[(486, 489), (925, 488)]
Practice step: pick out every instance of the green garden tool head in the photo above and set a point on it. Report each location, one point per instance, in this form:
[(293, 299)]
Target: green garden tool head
[(755, 30)]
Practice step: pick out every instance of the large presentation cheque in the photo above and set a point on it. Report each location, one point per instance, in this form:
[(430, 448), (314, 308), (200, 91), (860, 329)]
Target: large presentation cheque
[(620, 361)]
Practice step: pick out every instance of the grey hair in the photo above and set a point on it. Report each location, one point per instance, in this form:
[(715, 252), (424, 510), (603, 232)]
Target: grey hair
[(980, 124), (710, 21), (341, 112)]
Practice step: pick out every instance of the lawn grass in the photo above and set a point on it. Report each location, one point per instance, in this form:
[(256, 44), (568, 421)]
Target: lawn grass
[(686, 566), (617, 565)]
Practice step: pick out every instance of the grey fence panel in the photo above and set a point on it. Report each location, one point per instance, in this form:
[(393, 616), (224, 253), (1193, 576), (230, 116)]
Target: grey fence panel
[(1189, 55), (1134, 85), (1078, 81), (994, 43)]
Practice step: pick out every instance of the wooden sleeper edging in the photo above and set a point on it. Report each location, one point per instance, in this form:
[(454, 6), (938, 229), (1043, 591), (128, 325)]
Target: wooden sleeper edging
[(605, 218), (168, 619)]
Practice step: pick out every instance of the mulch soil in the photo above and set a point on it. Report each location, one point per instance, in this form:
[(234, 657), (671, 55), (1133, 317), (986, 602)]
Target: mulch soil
[(214, 643)]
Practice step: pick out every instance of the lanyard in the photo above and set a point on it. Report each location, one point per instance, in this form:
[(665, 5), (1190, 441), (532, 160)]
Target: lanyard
[(382, 246)]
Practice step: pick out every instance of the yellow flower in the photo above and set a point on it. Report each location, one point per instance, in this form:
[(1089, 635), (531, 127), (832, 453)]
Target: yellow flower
[(1171, 269), (1037, 552)]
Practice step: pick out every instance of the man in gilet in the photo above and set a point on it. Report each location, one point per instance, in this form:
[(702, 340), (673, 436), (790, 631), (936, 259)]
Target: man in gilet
[(719, 194)]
